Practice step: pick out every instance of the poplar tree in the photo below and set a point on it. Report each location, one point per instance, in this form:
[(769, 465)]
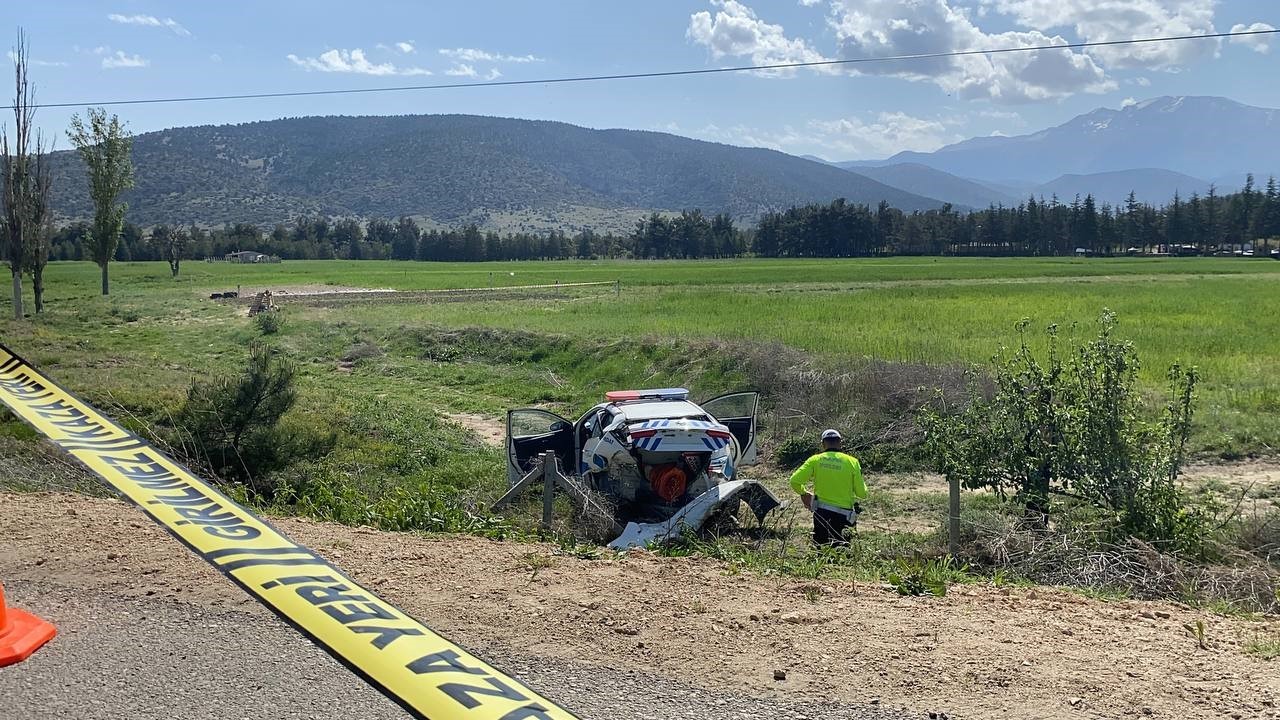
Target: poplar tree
[(105, 146)]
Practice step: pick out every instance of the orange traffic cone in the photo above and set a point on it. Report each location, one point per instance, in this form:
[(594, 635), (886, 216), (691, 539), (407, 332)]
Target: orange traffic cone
[(21, 633)]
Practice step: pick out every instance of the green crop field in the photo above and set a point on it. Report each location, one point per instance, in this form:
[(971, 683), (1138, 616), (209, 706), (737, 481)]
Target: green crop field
[(386, 377)]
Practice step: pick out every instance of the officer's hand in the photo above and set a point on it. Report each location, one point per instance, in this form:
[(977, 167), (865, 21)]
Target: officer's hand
[(807, 499)]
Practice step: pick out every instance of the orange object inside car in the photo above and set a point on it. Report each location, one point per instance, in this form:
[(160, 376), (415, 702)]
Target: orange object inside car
[(668, 481)]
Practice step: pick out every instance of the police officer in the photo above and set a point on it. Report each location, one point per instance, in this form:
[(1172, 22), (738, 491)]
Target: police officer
[(837, 486)]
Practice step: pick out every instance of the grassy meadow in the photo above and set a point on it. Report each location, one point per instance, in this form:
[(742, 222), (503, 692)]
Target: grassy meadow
[(142, 345), (387, 378), (400, 387)]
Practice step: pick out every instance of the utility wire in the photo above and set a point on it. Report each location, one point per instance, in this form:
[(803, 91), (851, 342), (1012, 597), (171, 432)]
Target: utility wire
[(661, 74)]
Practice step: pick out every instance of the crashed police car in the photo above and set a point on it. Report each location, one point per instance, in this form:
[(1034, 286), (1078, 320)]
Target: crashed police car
[(666, 464)]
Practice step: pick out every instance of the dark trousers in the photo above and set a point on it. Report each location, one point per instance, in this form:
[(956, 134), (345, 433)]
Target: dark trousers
[(829, 527)]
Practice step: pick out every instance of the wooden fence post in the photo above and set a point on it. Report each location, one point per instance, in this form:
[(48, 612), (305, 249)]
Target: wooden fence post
[(953, 520), (550, 468)]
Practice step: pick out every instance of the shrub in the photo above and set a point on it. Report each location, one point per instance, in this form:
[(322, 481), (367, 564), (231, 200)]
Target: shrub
[(794, 450), (1266, 647), (917, 575), (270, 322), (235, 423), (1259, 535), (1074, 425), (360, 351)]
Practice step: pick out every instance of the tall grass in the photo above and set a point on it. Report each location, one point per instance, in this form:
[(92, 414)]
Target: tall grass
[(142, 345)]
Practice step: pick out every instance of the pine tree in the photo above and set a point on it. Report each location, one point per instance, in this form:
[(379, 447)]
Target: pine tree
[(1212, 221), (1129, 227)]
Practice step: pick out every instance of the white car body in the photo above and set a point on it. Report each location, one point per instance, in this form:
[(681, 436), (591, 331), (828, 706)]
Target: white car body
[(653, 452)]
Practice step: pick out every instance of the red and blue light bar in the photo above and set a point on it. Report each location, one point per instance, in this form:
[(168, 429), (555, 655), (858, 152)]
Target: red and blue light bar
[(655, 394)]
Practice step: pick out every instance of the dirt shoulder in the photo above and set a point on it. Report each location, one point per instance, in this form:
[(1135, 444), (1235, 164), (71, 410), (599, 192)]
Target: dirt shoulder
[(978, 653)]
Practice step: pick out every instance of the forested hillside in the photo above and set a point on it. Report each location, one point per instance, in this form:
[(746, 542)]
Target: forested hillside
[(1243, 222), (452, 169)]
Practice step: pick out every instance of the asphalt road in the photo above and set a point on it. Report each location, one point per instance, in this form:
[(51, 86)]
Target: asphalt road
[(164, 659)]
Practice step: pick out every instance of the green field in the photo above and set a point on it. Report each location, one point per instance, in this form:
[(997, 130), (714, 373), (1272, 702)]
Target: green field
[(393, 397), (142, 345)]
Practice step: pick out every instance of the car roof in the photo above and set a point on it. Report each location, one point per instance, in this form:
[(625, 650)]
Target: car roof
[(652, 410)]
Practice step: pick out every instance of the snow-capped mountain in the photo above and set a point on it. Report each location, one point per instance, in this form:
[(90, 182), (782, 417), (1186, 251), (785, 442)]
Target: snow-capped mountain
[(1202, 137)]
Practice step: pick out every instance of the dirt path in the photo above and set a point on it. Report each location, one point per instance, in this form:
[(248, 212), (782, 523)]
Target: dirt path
[(248, 291), (489, 430), (978, 653)]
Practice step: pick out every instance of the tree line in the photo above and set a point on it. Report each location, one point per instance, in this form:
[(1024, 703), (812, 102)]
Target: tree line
[(1196, 225), (687, 235)]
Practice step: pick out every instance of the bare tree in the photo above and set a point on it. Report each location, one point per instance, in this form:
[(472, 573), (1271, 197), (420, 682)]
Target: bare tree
[(172, 245), (42, 231), (25, 169), (104, 147)]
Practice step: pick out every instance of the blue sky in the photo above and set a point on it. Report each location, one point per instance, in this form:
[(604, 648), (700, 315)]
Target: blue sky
[(95, 52)]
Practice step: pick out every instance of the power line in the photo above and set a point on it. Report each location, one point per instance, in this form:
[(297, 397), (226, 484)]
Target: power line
[(659, 74)]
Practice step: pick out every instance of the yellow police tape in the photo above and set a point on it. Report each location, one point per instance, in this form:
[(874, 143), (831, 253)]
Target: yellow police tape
[(428, 675)]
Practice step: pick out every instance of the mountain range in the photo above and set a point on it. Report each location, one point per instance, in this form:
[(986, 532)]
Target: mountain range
[(512, 174), (1153, 186), (499, 172), (1154, 148)]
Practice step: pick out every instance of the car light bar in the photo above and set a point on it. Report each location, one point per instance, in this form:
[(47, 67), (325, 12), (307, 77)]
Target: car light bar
[(658, 394)]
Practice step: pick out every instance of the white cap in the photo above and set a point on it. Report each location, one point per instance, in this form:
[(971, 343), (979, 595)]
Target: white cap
[(831, 434)]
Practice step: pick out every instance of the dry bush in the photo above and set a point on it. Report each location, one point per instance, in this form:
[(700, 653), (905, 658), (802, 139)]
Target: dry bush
[(40, 466), (1082, 557), (873, 402), (360, 351), (1259, 535)]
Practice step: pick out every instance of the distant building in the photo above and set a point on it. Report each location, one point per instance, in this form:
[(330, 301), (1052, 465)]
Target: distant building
[(246, 256)]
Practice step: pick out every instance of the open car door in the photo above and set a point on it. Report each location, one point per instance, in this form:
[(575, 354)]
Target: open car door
[(737, 411), (531, 432)]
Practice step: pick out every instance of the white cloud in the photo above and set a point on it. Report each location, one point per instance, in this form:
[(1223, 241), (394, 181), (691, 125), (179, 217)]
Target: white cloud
[(843, 138), (37, 63), (352, 61), (215, 57), (736, 31), (494, 74), (1109, 20), (810, 3), (1141, 81), (1259, 43), (886, 134), (471, 55), (461, 70), (1013, 119), (880, 28), (150, 21), (405, 47), (1127, 102), (119, 59)]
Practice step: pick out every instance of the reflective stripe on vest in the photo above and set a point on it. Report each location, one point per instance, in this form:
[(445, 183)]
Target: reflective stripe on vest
[(848, 513)]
